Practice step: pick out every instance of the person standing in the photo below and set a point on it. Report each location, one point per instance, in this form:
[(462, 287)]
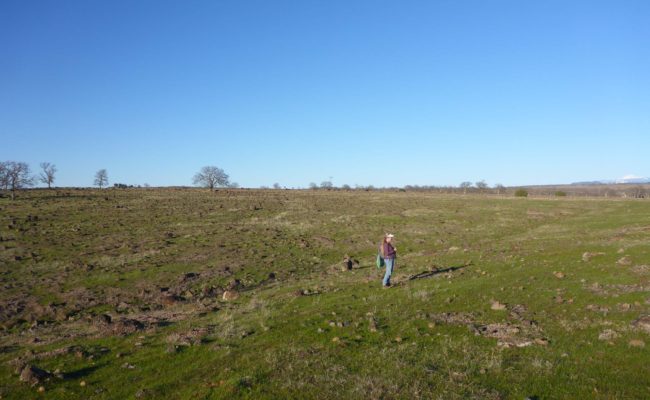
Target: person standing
[(388, 253)]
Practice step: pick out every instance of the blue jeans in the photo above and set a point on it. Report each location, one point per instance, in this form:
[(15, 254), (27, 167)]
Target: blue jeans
[(390, 263)]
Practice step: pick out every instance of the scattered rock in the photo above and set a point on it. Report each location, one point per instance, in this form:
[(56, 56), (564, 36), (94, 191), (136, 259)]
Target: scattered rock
[(189, 276), (169, 299), (122, 307), (624, 261), (192, 337), (617, 289), (602, 309), (234, 284), (497, 306), (636, 343), (641, 269), (34, 375), (124, 326), (608, 334), (642, 323), (587, 256), (453, 318), (453, 249), (508, 335), (372, 324), (230, 295), (559, 274)]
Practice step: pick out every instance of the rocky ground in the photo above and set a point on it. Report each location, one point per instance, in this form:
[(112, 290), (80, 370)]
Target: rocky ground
[(186, 293)]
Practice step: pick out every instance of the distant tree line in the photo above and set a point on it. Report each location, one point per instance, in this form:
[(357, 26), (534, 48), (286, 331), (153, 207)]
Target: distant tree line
[(15, 176), (481, 187)]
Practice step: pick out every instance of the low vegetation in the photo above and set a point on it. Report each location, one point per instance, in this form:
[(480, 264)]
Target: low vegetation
[(228, 294)]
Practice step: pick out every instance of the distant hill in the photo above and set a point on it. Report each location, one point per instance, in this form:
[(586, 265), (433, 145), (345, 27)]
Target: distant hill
[(624, 180)]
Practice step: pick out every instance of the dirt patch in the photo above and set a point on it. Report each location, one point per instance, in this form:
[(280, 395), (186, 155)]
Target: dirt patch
[(324, 241), (453, 318), (508, 335), (624, 261), (617, 289), (518, 332), (597, 308), (121, 327), (191, 337), (587, 256), (641, 269)]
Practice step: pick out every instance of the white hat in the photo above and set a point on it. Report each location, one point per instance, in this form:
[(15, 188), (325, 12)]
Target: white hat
[(390, 235)]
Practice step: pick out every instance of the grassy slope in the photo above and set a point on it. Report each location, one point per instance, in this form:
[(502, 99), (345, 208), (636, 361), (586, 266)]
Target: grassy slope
[(272, 343)]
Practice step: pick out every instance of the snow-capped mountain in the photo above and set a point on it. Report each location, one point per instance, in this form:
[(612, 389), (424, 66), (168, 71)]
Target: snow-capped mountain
[(627, 179), (633, 179)]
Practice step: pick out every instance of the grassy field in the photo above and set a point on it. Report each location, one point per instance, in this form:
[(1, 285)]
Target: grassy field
[(188, 294)]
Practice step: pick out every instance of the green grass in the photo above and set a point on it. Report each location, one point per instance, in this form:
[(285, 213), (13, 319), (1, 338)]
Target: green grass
[(93, 250)]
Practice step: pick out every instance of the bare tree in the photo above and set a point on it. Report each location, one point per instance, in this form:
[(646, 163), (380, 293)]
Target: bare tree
[(326, 185), (276, 186), (500, 188), (17, 176), (481, 185), (638, 192), (47, 174), (313, 185), (233, 185), (101, 178), (4, 175), (211, 177), (465, 185)]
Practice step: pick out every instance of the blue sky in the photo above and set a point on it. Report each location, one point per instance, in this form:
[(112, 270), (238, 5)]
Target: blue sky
[(366, 92)]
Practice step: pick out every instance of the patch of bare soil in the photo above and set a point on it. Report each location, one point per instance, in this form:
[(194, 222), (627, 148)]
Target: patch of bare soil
[(617, 289), (191, 337), (641, 269), (587, 256), (517, 331)]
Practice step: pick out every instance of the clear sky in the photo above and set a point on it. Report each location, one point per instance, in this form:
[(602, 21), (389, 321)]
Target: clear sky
[(365, 92)]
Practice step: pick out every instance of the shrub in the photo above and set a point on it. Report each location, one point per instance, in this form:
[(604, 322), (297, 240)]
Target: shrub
[(560, 193), (521, 193)]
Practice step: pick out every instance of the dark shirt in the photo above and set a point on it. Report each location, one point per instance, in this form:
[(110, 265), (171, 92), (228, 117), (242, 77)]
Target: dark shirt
[(389, 251)]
